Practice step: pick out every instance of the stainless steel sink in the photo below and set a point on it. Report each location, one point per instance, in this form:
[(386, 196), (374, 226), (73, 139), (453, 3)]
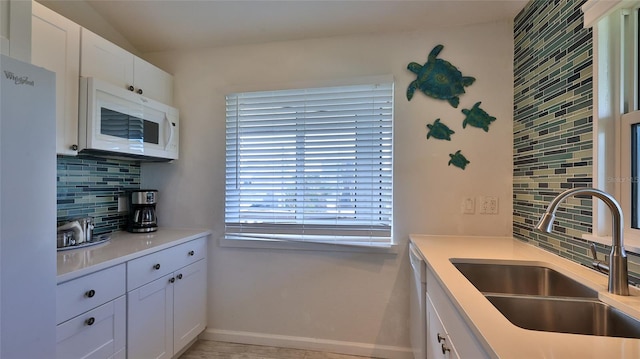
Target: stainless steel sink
[(522, 280), (540, 298), (566, 315)]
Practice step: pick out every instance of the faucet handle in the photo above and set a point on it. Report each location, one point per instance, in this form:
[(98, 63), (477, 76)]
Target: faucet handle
[(594, 253), (599, 265)]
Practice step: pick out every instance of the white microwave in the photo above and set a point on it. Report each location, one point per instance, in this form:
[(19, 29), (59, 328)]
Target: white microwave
[(114, 122)]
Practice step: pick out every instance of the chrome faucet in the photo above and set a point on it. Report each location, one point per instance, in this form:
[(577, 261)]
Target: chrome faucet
[(618, 274)]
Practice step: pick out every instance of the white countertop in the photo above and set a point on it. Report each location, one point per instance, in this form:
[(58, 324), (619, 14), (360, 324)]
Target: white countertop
[(499, 337), (122, 247)]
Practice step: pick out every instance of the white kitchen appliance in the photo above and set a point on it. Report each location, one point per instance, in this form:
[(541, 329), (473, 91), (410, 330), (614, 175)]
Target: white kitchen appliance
[(119, 123), (27, 211), (418, 304)]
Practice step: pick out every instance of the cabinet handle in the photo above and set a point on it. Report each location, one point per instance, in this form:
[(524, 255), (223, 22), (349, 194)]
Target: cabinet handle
[(139, 91), (74, 147), (191, 253), (90, 293), (179, 276), (90, 321), (172, 279), (130, 88), (441, 338), (445, 349), (157, 266)]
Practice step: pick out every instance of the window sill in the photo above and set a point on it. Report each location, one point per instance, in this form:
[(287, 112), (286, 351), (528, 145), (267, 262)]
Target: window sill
[(631, 241), (306, 246)]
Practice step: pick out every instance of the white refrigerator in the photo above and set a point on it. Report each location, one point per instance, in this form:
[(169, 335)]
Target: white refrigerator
[(27, 211)]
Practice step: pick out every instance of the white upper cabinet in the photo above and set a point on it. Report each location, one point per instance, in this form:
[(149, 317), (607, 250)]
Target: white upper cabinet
[(15, 29), (105, 60), (152, 82), (55, 45)]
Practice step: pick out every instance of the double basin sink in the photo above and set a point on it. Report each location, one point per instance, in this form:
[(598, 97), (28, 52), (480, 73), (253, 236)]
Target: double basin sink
[(540, 298)]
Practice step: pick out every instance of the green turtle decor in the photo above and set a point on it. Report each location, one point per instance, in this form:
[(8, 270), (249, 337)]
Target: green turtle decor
[(439, 79), (439, 130), (477, 117), (458, 160)]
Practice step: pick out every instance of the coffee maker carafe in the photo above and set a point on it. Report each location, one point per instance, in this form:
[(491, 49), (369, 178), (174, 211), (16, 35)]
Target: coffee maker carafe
[(142, 211)]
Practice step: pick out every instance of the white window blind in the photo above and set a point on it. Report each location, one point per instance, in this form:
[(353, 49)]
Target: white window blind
[(312, 165)]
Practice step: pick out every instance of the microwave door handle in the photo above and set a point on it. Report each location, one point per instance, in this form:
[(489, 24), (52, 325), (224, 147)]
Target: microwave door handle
[(171, 130)]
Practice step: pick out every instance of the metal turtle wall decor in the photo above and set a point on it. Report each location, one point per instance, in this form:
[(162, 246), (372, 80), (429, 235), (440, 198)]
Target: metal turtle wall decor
[(439, 130), (458, 160), (477, 117), (438, 78)]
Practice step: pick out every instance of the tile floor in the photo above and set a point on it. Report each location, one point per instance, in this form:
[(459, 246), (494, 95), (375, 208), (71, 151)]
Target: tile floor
[(207, 349)]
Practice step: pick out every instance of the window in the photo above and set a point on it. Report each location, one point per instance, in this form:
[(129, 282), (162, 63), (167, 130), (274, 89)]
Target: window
[(310, 165), (617, 114)]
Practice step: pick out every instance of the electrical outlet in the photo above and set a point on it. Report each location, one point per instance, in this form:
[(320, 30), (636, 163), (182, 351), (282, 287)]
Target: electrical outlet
[(489, 205), (123, 204), (468, 205)]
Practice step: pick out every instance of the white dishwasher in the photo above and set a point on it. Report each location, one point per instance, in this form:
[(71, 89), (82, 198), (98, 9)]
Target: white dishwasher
[(418, 304)]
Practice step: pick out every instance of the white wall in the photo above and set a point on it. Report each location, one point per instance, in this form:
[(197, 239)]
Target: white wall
[(351, 302)]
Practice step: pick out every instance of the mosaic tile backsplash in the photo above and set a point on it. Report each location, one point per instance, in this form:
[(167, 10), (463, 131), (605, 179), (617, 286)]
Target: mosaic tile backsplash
[(552, 130), (90, 186)]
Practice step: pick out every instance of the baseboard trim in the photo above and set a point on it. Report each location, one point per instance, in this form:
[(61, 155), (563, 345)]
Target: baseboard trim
[(285, 341)]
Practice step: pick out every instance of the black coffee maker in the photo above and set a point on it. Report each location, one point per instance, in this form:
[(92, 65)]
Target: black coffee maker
[(142, 211)]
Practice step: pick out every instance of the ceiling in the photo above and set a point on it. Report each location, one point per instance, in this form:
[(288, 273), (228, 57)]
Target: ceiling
[(159, 25)]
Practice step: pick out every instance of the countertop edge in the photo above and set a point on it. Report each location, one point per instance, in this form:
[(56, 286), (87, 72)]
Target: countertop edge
[(170, 237)]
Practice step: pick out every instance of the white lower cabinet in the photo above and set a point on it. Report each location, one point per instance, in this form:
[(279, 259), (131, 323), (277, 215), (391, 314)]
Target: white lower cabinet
[(150, 320), (96, 334), (166, 314), (448, 336), (439, 343), (189, 304), (164, 308), (91, 316)]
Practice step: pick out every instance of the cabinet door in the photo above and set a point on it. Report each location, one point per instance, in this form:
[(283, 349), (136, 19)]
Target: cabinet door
[(152, 82), (150, 320), (55, 45), (439, 345), (189, 303), (105, 60), (15, 29), (4, 27), (96, 334)]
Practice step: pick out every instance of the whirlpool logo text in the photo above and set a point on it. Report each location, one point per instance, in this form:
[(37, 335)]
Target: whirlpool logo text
[(19, 80)]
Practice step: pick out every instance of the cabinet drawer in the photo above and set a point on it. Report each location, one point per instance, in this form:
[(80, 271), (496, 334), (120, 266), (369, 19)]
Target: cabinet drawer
[(190, 252), (79, 295), (155, 265), (97, 334)]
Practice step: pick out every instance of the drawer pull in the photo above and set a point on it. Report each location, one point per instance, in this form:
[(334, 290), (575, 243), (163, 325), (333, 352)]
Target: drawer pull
[(90, 321), (445, 349), (441, 338), (179, 276), (157, 266), (172, 279), (191, 253), (90, 293)]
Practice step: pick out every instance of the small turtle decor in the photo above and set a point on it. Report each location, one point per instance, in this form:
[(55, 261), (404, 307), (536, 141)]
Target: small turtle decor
[(439, 79), (439, 130), (458, 160), (477, 117)]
